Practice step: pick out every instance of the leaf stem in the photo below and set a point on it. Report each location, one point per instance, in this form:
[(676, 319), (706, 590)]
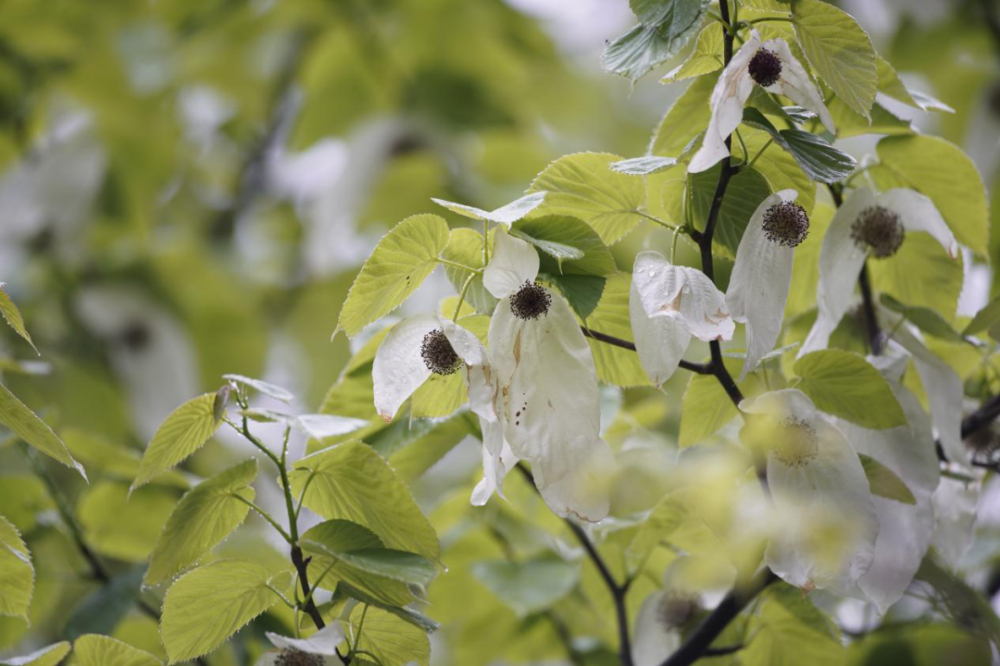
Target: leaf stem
[(455, 264), (461, 297), (265, 515), (656, 220)]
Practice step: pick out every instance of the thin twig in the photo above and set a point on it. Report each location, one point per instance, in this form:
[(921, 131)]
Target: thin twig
[(697, 368)]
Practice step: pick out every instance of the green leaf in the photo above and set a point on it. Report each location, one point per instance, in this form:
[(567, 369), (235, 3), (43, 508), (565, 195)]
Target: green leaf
[(350, 481), (839, 50), (121, 524), (569, 245), (844, 384), (985, 319), (13, 317), (115, 461), (643, 166), (420, 454), (47, 656), (706, 407), (941, 171), (582, 185), (818, 159), (259, 385), (392, 640), (582, 291), (27, 426), (884, 482), (530, 586), (508, 214), (705, 57), (211, 603), (419, 620), (920, 644), (780, 168), (747, 190), (102, 610), (851, 124), (665, 27), (465, 247), (203, 517), (96, 650), (927, 320), (615, 365), (182, 433), (936, 286), (399, 264), (327, 543), (17, 575), (791, 630), (684, 120)]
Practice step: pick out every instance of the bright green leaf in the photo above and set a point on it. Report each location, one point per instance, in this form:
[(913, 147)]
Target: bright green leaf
[(844, 384), (350, 481), (615, 365), (26, 425), (211, 603), (47, 656), (392, 640), (182, 433), (582, 185), (884, 482), (839, 50), (465, 247), (706, 407), (17, 575), (10, 313), (399, 264), (203, 517), (96, 650), (508, 214), (936, 286), (705, 58), (791, 630), (684, 120), (121, 524)]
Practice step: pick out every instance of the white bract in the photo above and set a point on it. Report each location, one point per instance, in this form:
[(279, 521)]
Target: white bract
[(322, 646), (905, 529), (546, 397), (667, 306), (867, 224), (762, 275), (825, 520), (777, 71)]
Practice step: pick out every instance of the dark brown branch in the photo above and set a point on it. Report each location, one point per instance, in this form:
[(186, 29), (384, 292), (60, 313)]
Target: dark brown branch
[(697, 368), (618, 591), (699, 643)]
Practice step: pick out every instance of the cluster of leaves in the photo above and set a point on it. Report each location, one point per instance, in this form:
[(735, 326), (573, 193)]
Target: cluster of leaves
[(514, 585)]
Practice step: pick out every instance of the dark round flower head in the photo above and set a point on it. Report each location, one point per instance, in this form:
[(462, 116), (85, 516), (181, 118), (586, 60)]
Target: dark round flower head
[(878, 230), (786, 223), (675, 609), (531, 301), (765, 68), (438, 354), (298, 658)]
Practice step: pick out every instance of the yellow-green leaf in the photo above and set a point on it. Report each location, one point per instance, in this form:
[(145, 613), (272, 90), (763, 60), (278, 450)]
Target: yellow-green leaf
[(47, 656), (844, 384), (13, 316), (390, 639), (615, 365), (350, 481), (583, 185), (884, 482), (211, 603), (706, 407), (203, 517), (123, 525), (23, 422), (182, 433), (97, 650), (17, 575), (399, 264), (839, 50)]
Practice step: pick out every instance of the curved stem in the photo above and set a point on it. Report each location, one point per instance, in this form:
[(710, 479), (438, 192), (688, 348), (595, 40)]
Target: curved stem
[(697, 368), (265, 515)]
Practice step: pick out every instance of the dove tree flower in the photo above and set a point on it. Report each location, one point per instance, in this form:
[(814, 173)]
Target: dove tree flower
[(667, 306), (867, 225), (547, 398), (762, 275), (825, 523), (320, 649), (769, 65)]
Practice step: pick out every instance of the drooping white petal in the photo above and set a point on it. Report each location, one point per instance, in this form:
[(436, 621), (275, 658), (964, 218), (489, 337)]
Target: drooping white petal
[(324, 642), (795, 84), (905, 529), (653, 639), (840, 262), (659, 341), (758, 287), (465, 343), (955, 504), (513, 263), (549, 397), (944, 394), (399, 369), (496, 464), (827, 518), (918, 213), (728, 97), (681, 293)]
